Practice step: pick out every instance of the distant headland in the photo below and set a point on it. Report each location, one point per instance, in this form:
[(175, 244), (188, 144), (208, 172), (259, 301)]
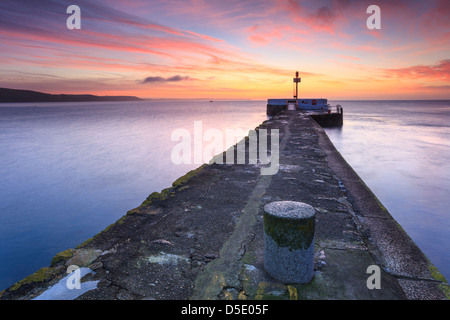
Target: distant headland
[(14, 95)]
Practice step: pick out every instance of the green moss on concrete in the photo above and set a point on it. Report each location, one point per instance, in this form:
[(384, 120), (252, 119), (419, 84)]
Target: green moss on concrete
[(62, 256), (249, 258), (436, 274), (168, 192), (184, 179), (154, 197), (43, 274), (294, 234), (86, 242), (445, 289)]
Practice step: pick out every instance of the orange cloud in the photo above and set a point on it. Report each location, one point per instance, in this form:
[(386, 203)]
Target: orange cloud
[(266, 33), (217, 45)]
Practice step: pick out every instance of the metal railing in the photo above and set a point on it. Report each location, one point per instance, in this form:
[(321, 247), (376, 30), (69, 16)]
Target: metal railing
[(334, 109)]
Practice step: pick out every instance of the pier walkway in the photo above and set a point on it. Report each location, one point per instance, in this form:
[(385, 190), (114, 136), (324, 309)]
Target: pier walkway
[(202, 238)]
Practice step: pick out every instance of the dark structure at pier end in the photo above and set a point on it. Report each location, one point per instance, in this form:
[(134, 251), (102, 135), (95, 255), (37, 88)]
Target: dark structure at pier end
[(319, 109)]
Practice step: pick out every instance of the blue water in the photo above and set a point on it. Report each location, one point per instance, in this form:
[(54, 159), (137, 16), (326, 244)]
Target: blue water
[(68, 170), (401, 149)]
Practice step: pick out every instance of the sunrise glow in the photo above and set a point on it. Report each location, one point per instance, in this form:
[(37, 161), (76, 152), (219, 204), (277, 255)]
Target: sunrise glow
[(228, 49)]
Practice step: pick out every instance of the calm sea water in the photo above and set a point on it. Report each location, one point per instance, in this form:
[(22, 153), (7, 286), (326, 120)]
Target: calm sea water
[(69, 170), (401, 149)]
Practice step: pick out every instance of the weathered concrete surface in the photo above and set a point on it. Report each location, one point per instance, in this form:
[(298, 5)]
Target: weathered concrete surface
[(203, 237)]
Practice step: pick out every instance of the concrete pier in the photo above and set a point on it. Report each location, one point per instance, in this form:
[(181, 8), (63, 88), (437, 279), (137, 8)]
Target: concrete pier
[(203, 237)]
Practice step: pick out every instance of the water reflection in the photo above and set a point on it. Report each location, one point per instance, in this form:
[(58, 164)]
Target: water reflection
[(402, 152), (69, 170)]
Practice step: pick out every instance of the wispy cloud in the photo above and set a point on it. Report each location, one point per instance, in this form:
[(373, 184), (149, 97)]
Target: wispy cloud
[(176, 78), (439, 71), (249, 46)]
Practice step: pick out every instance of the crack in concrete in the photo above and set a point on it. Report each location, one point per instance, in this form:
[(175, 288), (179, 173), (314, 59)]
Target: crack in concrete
[(224, 271)]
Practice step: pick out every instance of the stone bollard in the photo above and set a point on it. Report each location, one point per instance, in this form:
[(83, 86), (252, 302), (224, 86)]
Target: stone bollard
[(289, 241)]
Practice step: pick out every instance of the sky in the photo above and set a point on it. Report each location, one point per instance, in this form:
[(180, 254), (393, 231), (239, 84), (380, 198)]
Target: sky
[(243, 49)]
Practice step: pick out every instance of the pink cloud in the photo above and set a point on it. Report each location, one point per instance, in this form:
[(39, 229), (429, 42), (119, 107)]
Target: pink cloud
[(266, 33), (212, 39), (436, 18), (438, 72)]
